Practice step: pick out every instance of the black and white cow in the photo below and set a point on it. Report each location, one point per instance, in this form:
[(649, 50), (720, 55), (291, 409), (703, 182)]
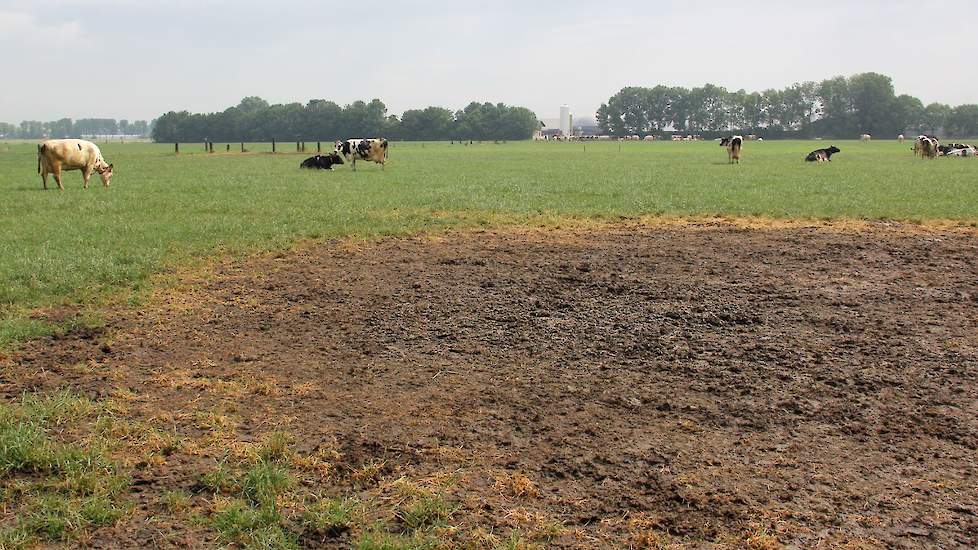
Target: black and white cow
[(374, 150), (322, 162), (957, 150), (823, 155), (734, 144), (927, 146)]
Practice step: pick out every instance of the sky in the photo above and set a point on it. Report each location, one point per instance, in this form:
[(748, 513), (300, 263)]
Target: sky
[(137, 59)]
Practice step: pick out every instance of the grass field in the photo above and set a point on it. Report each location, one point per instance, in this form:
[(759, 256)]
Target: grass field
[(618, 384), (162, 209)]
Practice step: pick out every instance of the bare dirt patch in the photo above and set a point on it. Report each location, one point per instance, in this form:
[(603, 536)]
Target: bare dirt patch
[(638, 385)]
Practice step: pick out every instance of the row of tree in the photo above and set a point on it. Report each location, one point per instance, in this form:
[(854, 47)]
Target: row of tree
[(255, 120), (67, 128), (838, 107)]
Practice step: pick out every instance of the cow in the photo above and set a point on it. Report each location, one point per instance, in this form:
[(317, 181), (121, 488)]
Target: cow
[(363, 149), (56, 155), (901, 138), (322, 162), (966, 151), (956, 150), (927, 147), (822, 155), (733, 145), (866, 137)]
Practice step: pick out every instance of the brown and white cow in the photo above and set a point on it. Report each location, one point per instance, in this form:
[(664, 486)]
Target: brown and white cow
[(374, 150), (866, 137), (734, 145), (56, 155)]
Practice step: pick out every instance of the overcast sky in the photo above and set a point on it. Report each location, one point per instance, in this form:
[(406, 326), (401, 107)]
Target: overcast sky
[(137, 59)]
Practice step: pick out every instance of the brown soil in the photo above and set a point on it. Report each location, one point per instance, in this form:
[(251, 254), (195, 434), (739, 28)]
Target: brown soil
[(641, 384)]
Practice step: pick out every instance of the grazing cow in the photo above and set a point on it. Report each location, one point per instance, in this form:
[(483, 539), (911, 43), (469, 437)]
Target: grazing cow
[(822, 155), (322, 162), (733, 144), (363, 149), (866, 137), (927, 147), (56, 155)]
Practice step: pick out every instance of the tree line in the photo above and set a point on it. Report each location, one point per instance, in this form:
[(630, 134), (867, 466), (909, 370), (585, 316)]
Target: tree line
[(838, 107), (254, 119), (67, 128)]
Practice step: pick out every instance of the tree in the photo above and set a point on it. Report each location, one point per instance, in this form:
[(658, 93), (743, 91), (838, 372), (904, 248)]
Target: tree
[(963, 122), (873, 103), (60, 128), (431, 123), (909, 115), (936, 117), (252, 105)]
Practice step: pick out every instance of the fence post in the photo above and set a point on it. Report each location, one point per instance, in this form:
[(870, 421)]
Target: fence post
[(273, 145), (242, 147), (297, 150), (319, 147), (228, 148), (176, 148)]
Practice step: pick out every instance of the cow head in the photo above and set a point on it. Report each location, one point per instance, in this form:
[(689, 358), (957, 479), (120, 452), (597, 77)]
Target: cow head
[(724, 142), (335, 158), (833, 150), (105, 171)]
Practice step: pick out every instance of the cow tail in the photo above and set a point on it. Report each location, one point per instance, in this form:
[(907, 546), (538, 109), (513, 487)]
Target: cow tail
[(384, 145), (40, 151)]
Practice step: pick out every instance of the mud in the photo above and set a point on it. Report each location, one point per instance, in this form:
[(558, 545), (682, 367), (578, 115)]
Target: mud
[(807, 386)]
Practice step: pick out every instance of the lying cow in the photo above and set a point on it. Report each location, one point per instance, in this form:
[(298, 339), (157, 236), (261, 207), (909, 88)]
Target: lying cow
[(56, 155), (957, 150), (322, 162), (734, 145), (374, 150), (822, 155), (963, 152)]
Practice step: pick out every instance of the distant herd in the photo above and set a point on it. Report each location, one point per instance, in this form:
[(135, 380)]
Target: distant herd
[(57, 155)]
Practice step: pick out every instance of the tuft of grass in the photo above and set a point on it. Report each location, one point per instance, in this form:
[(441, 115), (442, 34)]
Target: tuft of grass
[(58, 491), (275, 447), (263, 482), (517, 540), (175, 502), (332, 516), (423, 512), (240, 523), (376, 538), (252, 518)]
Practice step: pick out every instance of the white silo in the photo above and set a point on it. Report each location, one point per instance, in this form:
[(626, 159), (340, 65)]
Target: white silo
[(565, 120)]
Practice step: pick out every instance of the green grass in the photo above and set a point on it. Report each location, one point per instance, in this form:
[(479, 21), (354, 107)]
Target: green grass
[(71, 247), (57, 491)]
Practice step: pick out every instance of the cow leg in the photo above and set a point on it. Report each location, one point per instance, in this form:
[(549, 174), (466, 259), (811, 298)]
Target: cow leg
[(354, 164), (44, 177), (86, 173), (57, 177)]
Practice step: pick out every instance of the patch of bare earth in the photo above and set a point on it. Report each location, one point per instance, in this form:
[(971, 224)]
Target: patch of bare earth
[(711, 385)]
